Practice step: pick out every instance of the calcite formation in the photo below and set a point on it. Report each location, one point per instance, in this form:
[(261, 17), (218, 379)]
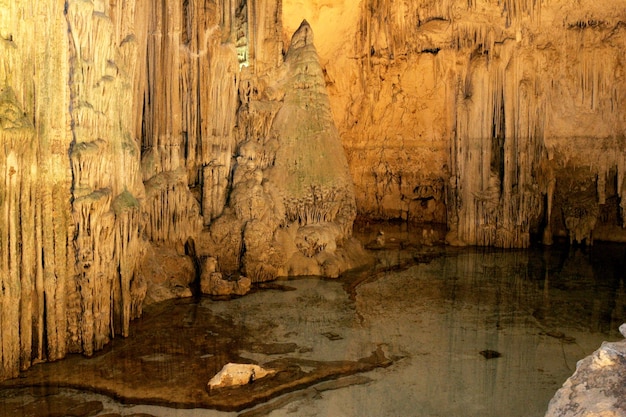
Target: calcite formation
[(477, 113), (119, 132), (292, 196), (36, 225), (597, 387), (135, 132)]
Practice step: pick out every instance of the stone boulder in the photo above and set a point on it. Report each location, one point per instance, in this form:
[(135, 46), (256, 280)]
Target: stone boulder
[(235, 374), (167, 272), (597, 387)]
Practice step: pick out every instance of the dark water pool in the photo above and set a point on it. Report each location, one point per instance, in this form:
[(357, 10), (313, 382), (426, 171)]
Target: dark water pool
[(457, 331)]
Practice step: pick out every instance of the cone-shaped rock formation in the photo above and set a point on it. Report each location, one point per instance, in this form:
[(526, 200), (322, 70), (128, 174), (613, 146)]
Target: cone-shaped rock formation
[(292, 195)]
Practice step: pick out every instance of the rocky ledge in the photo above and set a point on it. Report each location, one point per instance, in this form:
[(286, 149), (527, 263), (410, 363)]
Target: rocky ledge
[(598, 387)]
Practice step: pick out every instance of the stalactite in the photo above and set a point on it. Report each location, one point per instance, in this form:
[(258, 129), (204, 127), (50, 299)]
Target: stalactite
[(105, 164), (264, 25), (515, 10), (479, 37), (35, 224), (387, 27), (214, 186), (162, 110), (16, 158), (190, 107), (94, 244), (129, 291), (217, 133), (173, 214), (499, 197)]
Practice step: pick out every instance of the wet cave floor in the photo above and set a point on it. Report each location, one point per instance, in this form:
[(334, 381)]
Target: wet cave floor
[(428, 330)]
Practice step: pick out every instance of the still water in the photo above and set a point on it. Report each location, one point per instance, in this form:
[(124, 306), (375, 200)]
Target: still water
[(456, 332)]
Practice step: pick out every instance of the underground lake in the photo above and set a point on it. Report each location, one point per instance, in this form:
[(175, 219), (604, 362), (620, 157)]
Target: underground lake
[(424, 330)]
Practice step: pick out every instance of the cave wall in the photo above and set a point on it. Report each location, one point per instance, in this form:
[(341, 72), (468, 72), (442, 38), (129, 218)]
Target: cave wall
[(117, 132), (71, 224), (475, 113), (123, 124), (36, 224)]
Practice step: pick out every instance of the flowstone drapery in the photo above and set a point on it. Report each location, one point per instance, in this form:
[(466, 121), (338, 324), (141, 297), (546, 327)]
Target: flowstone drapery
[(36, 227), (475, 113)]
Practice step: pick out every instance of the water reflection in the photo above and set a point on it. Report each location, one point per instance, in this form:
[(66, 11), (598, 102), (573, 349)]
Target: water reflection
[(470, 332)]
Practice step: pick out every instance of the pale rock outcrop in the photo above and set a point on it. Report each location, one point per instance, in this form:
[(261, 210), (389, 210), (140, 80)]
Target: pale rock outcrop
[(234, 374), (597, 387)]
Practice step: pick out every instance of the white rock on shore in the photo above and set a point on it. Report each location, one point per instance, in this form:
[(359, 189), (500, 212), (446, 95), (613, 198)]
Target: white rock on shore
[(234, 374), (597, 387)]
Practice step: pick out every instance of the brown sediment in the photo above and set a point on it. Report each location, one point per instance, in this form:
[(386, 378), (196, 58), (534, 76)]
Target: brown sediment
[(174, 351)]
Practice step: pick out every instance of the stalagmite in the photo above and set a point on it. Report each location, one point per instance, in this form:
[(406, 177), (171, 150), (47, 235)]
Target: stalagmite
[(291, 185)]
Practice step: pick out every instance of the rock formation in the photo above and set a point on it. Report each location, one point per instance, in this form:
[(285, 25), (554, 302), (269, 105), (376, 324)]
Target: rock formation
[(292, 203), (475, 113), (598, 387), (119, 129), (233, 374), (137, 132)]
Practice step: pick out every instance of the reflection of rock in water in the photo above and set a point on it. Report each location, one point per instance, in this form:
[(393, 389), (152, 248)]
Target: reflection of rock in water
[(48, 402), (593, 272)]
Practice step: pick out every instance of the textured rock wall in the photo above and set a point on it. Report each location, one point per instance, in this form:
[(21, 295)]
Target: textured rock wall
[(597, 385), (105, 166), (36, 224), (126, 126), (475, 113), (71, 228)]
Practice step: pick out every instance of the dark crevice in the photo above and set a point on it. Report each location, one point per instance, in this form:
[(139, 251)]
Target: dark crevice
[(194, 286)]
